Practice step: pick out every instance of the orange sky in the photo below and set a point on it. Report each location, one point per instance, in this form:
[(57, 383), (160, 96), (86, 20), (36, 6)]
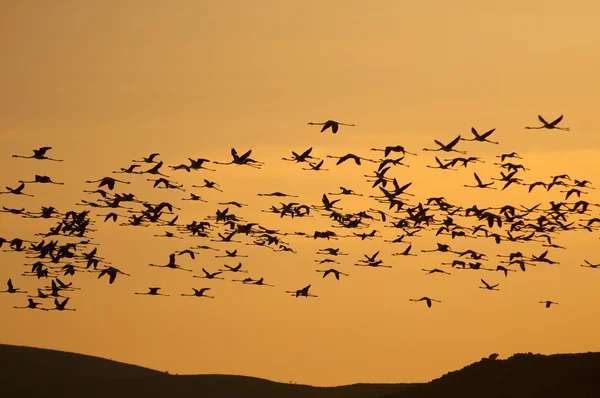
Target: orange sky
[(105, 84)]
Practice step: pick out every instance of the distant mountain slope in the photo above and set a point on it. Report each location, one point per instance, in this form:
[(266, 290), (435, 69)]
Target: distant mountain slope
[(522, 375), (225, 386), (29, 372), (19, 365)]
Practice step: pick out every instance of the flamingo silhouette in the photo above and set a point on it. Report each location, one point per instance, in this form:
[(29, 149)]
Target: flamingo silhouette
[(427, 300), (39, 154), (330, 124), (199, 293), (549, 126), (333, 271)]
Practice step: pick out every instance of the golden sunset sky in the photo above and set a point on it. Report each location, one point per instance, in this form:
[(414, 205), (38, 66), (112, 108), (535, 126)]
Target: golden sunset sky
[(105, 83)]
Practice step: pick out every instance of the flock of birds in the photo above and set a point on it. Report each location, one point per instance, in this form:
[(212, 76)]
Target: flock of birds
[(64, 251)]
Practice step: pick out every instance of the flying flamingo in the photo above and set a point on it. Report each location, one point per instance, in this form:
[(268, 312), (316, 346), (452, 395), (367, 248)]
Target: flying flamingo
[(16, 191), (426, 299), (42, 180), (330, 123), (61, 306), (171, 264), (481, 138), (11, 289), (208, 275), (446, 148), (315, 167), (488, 286), (549, 126), (356, 159), (39, 154), (333, 271), (32, 304), (108, 181), (548, 303), (153, 291), (395, 148), (149, 159), (434, 271), (301, 292), (199, 293)]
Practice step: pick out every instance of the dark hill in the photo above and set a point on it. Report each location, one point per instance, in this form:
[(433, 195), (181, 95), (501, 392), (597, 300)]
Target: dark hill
[(29, 372), (19, 364), (522, 375)]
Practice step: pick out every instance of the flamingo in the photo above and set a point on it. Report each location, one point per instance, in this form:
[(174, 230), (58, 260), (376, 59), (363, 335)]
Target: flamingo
[(208, 275), (481, 138), (427, 300), (42, 180), (229, 268), (111, 272), (149, 159), (590, 265), (39, 154), (300, 158), (208, 184), (548, 303), (480, 184), (32, 304), (11, 288), (333, 271), (406, 251), (301, 292), (315, 167), (356, 159), (171, 264), (488, 286), (434, 271), (61, 306), (244, 159), (446, 147), (549, 126), (393, 148), (153, 291), (108, 181), (259, 282), (509, 155), (330, 124), (16, 191), (199, 293)]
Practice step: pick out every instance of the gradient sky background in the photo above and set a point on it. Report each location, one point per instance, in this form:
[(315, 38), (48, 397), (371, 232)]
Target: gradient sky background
[(105, 84)]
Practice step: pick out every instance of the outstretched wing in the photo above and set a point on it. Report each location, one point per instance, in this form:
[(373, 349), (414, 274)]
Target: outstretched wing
[(487, 134), (454, 142), (246, 155), (554, 123), (306, 153)]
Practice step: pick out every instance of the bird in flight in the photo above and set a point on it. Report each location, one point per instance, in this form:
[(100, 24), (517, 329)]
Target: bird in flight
[(549, 126), (199, 293), (39, 154), (448, 147), (488, 286), (481, 137), (548, 303), (330, 123), (427, 300), (333, 271), (153, 291)]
